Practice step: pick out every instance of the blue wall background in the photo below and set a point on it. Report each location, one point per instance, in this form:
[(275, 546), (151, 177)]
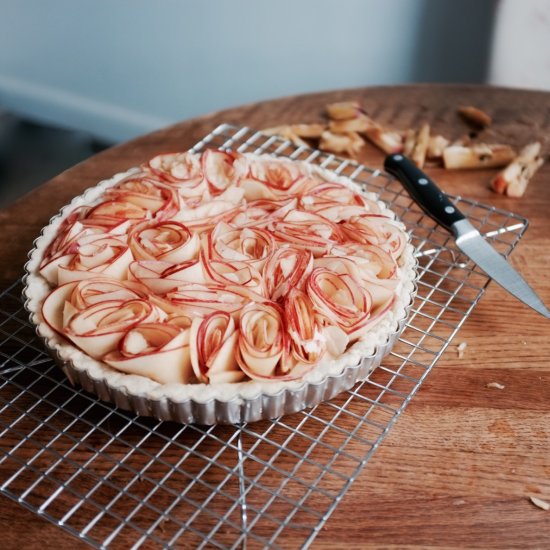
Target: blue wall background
[(119, 68)]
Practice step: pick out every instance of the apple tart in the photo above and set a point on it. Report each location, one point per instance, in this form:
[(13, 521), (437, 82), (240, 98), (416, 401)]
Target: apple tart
[(220, 287)]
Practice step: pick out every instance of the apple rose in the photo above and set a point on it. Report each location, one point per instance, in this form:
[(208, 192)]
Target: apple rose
[(97, 329), (234, 274), (285, 269), (77, 225), (364, 263), (308, 230), (166, 241), (134, 199), (271, 178), (342, 301), (251, 216), (326, 202), (376, 230), (70, 298), (162, 277), (111, 212), (341, 265), (364, 273), (70, 230), (91, 256), (319, 195), (249, 245), (213, 341), (261, 340), (196, 300), (177, 167), (260, 212), (205, 216), (62, 251), (89, 292), (183, 172), (223, 169), (158, 351), (370, 258), (277, 174), (159, 200), (307, 341)]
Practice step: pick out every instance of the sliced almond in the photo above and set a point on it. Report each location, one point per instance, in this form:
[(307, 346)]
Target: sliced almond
[(343, 110), (436, 145), (475, 116), (480, 155), (387, 140), (539, 503), (349, 143), (513, 180), (360, 123)]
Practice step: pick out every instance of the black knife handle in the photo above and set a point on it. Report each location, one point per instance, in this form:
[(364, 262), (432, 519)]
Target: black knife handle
[(423, 190)]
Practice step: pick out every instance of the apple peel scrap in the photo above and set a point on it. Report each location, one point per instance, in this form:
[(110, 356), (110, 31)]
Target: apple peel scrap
[(360, 123), (348, 116), (436, 146), (296, 132), (349, 127), (416, 144), (480, 155), (221, 267), (349, 143), (388, 141), (513, 180)]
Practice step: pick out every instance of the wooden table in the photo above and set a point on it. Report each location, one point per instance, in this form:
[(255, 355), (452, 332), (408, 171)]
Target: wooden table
[(457, 468)]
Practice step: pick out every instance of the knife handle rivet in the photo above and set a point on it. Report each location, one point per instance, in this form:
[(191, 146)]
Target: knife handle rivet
[(449, 209), (423, 181), (398, 158)]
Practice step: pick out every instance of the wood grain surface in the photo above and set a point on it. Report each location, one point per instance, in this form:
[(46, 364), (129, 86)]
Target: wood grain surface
[(457, 468)]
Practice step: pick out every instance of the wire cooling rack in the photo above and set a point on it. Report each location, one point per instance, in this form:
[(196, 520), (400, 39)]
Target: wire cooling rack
[(117, 480)]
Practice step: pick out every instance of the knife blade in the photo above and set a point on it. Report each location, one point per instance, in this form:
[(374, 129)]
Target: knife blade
[(468, 239)]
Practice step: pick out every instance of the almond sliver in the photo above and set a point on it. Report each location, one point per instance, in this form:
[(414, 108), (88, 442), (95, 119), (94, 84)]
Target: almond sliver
[(475, 116)]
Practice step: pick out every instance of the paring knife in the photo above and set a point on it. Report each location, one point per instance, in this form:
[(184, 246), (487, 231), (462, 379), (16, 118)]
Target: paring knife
[(436, 204)]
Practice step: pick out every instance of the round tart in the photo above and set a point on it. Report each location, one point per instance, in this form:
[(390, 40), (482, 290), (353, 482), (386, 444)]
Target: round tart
[(220, 287)]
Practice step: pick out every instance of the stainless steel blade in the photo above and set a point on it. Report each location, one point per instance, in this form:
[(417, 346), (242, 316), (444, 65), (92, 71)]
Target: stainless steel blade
[(469, 240)]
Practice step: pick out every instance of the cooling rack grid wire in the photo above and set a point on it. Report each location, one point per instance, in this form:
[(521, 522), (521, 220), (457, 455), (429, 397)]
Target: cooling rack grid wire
[(115, 479)]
